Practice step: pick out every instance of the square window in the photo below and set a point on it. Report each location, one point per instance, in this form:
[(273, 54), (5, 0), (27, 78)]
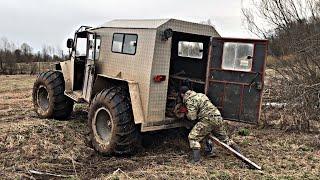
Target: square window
[(130, 44), (190, 49), (81, 49), (124, 43), (237, 56), (117, 42), (94, 47), (98, 44)]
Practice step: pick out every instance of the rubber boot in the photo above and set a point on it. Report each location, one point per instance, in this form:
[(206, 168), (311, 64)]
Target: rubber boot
[(209, 149), (196, 156)]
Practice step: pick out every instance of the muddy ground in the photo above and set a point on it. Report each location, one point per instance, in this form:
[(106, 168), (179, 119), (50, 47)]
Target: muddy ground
[(29, 145)]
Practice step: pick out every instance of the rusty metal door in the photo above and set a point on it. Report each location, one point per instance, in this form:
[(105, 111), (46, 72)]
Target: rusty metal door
[(235, 78)]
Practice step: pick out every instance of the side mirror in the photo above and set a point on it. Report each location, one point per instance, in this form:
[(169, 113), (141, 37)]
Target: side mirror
[(70, 43)]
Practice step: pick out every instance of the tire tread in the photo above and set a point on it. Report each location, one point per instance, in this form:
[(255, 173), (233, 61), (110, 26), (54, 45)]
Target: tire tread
[(62, 106), (126, 136)]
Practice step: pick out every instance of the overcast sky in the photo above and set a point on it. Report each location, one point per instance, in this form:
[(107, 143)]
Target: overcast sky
[(39, 22)]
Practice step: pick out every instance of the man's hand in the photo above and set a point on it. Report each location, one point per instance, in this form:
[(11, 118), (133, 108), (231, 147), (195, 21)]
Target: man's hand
[(180, 111), (183, 109)]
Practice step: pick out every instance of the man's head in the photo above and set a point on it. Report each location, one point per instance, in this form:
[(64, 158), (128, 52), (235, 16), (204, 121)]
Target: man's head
[(183, 90)]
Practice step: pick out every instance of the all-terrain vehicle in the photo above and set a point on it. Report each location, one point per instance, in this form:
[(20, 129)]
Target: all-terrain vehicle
[(130, 71)]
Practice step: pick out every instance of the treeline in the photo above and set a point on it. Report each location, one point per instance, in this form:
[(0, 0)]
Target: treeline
[(16, 58)]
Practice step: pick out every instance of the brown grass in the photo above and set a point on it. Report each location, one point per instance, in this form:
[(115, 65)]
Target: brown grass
[(62, 147)]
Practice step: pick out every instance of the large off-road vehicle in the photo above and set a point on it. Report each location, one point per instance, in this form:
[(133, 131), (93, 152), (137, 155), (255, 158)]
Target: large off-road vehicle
[(130, 71)]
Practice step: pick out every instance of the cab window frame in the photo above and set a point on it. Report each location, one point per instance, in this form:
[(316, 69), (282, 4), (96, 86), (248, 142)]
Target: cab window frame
[(81, 35), (187, 44), (224, 65), (123, 41), (78, 46), (96, 58)]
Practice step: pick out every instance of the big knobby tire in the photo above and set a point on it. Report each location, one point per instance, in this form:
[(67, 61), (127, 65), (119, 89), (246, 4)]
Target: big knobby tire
[(48, 96), (113, 131)]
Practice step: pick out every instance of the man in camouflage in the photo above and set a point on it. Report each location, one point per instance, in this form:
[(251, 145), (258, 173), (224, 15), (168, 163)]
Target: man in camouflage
[(199, 108)]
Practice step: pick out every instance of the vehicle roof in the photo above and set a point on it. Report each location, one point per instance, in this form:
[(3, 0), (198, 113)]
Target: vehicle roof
[(135, 23), (145, 23)]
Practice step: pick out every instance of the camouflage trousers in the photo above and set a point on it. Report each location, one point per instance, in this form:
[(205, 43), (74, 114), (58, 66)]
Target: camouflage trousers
[(206, 126)]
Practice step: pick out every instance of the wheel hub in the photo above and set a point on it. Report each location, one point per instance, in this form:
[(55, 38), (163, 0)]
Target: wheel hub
[(43, 98), (103, 124)]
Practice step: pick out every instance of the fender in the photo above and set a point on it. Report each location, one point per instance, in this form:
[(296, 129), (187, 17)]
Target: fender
[(103, 81), (66, 71)]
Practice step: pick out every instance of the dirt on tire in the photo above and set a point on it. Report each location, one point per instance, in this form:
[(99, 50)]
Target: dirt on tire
[(59, 106), (125, 138)]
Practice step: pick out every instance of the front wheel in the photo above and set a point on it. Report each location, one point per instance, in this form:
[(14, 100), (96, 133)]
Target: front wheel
[(111, 123), (48, 96)]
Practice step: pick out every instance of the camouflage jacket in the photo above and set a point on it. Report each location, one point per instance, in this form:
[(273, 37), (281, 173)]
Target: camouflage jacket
[(199, 106)]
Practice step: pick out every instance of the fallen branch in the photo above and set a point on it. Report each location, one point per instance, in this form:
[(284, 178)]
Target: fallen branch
[(118, 171), (48, 174)]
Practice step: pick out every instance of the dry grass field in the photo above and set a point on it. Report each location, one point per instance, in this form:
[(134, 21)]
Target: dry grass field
[(29, 144)]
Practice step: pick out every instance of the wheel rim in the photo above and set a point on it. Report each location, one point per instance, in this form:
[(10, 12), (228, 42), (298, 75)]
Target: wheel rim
[(43, 98), (103, 124)]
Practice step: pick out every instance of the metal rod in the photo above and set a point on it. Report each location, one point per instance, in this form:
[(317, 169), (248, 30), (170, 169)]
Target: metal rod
[(235, 153)]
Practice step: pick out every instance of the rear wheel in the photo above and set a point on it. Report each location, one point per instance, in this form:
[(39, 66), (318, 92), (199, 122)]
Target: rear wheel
[(111, 123), (48, 96)]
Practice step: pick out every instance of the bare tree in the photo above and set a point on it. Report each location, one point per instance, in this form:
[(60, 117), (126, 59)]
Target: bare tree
[(292, 26), (263, 17), (6, 46), (26, 49), (51, 50), (60, 53), (45, 53)]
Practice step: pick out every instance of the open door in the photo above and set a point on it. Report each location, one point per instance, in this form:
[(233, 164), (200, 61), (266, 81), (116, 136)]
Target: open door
[(89, 73), (85, 53), (235, 78)]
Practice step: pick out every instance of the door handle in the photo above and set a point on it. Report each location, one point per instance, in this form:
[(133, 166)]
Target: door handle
[(254, 79), (258, 85)]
